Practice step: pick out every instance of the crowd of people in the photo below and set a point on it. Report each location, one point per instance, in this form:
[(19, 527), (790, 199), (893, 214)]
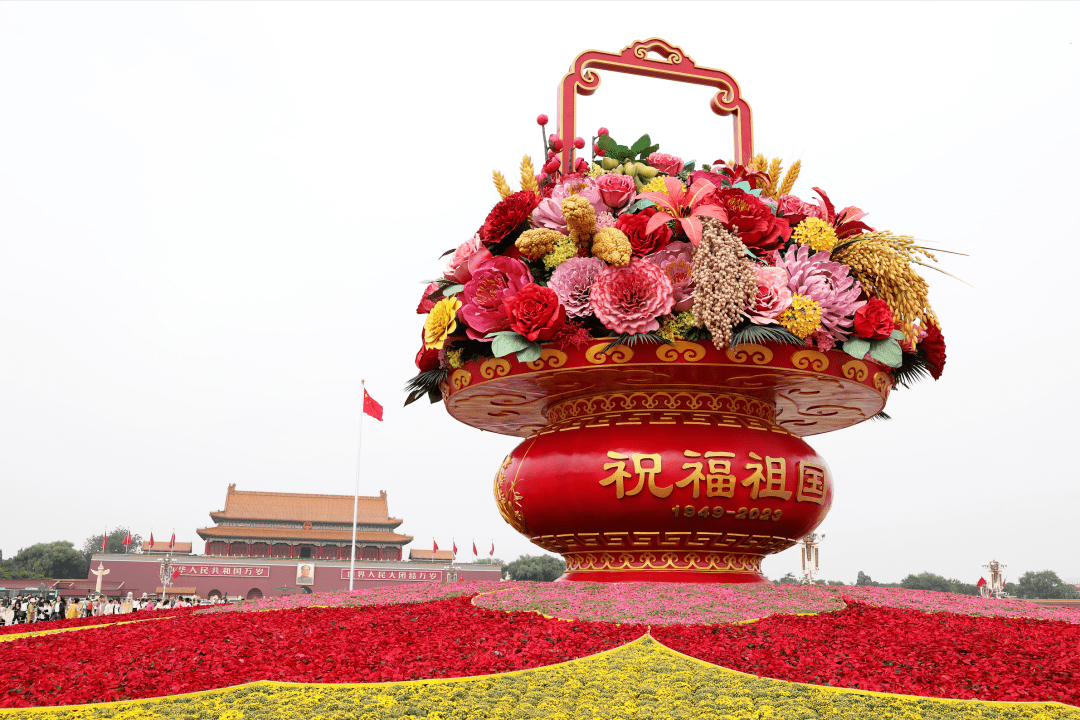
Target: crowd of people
[(29, 609)]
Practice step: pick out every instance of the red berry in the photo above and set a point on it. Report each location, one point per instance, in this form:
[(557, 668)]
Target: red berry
[(552, 166), (582, 166), (579, 143), (541, 120), (596, 149), (557, 143), (602, 131), (551, 154)]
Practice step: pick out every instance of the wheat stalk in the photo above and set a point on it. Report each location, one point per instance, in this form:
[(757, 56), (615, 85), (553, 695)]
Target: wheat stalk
[(528, 175), (790, 178), (501, 184)]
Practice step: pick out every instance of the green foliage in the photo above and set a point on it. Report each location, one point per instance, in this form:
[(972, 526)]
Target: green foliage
[(1044, 584), (542, 568), (641, 148), (886, 352), (488, 561), (865, 580), (912, 369), (758, 334), (937, 583), (631, 339), (508, 341), (52, 560)]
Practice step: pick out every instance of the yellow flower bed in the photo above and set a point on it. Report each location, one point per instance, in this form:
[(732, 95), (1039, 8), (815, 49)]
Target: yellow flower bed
[(639, 681), (53, 631)]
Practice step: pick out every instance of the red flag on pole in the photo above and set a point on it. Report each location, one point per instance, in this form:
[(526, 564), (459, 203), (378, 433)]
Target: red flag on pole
[(474, 548), (151, 539), (492, 553), (105, 540), (455, 547), (982, 581), (172, 541), (176, 573), (127, 539), (371, 407), (435, 548)]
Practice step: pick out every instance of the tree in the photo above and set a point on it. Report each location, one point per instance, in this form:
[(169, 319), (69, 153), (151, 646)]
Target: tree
[(1044, 584), (92, 545), (789, 579), (47, 560), (865, 579), (488, 561), (544, 568), (926, 581), (962, 588)]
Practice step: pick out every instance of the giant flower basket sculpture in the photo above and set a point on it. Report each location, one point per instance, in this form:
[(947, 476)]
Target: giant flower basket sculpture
[(663, 337)]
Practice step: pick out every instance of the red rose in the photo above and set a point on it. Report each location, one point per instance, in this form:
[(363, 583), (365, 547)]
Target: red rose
[(933, 346), (633, 226), (427, 303), (507, 215), (874, 320), (535, 312), (753, 221)]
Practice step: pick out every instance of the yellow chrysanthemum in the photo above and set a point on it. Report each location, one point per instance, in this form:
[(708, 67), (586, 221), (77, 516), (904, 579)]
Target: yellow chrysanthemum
[(803, 317), (454, 359), (674, 327), (441, 321), (817, 232), (564, 250), (655, 185)]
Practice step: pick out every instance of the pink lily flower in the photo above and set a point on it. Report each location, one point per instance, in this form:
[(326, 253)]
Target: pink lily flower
[(688, 207)]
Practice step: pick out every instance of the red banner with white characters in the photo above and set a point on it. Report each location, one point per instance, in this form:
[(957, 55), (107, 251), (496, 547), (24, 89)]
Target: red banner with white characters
[(203, 570), (398, 575)]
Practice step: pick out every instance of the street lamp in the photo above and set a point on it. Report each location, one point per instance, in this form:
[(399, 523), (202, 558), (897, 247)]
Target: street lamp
[(810, 556), (997, 579), (165, 572)]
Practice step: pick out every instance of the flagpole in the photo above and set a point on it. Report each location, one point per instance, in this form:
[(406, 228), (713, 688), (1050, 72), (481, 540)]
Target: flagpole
[(356, 494)]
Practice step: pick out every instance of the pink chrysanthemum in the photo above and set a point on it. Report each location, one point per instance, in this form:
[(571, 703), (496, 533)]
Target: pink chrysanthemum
[(826, 282), (630, 299), (572, 281)]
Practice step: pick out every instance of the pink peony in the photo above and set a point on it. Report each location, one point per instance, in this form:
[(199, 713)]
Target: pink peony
[(676, 260), (773, 296), (616, 190), (604, 219), (795, 210), (827, 282), (486, 292), (666, 163), (548, 214), (469, 255), (572, 281), (629, 299)]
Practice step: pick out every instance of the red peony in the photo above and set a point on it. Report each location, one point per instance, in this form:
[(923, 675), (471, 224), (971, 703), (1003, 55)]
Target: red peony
[(933, 347), (427, 303), (535, 312), (427, 359), (633, 226), (753, 221), (507, 215), (874, 320), (483, 297)]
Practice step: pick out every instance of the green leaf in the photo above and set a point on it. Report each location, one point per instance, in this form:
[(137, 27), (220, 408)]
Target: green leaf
[(887, 352), (857, 347), (689, 167), (613, 149), (508, 342), (531, 352), (640, 144), (644, 154), (452, 289), (897, 335), (754, 333), (639, 206)]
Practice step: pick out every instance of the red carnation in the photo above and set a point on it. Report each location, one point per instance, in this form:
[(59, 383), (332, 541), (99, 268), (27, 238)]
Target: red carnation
[(874, 320), (535, 312), (507, 215), (933, 347), (633, 226), (753, 221)]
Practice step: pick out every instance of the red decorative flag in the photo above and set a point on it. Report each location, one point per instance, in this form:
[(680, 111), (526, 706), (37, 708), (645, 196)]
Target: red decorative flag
[(455, 547), (492, 553), (105, 540), (127, 539), (172, 541), (435, 548), (151, 539), (371, 407), (982, 581), (474, 548), (176, 573)]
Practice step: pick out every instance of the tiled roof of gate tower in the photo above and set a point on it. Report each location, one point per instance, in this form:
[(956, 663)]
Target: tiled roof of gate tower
[(300, 507)]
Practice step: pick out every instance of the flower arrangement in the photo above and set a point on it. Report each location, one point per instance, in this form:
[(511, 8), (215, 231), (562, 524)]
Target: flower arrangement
[(640, 246)]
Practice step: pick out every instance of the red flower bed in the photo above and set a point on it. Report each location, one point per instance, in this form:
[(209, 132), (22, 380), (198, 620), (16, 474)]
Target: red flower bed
[(82, 622), (446, 638), (899, 651)]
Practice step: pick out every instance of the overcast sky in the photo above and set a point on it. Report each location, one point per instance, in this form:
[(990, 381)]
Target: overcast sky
[(214, 219)]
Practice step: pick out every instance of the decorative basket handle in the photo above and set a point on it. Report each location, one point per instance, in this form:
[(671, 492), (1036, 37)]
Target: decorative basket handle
[(634, 60)]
